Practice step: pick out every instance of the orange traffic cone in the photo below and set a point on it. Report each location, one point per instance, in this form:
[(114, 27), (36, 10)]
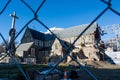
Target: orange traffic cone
[(65, 75)]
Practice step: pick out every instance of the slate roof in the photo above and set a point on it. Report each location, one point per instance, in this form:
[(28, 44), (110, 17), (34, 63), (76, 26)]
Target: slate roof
[(68, 32), (75, 31), (41, 36), (36, 34), (49, 37), (24, 46)]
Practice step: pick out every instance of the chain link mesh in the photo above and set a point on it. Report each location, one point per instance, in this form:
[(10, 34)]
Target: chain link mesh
[(35, 18)]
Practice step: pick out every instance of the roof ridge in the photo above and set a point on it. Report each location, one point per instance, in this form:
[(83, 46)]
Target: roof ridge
[(83, 25)]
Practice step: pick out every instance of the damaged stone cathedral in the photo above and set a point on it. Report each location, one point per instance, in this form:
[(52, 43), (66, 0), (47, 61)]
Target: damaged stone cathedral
[(38, 47)]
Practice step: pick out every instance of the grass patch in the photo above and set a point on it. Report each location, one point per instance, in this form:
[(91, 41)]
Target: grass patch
[(12, 71)]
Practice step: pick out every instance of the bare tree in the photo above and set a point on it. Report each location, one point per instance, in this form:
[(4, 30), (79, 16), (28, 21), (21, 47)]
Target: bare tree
[(2, 47)]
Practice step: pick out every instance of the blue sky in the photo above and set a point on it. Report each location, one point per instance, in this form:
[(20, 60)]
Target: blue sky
[(57, 13)]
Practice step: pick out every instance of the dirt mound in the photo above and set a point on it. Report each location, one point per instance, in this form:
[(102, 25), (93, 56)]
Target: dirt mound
[(99, 64), (95, 64)]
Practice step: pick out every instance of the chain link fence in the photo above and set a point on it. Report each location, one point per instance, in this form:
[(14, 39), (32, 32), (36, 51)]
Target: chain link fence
[(35, 18)]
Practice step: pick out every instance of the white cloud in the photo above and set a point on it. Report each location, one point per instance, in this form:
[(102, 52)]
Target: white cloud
[(54, 29)]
